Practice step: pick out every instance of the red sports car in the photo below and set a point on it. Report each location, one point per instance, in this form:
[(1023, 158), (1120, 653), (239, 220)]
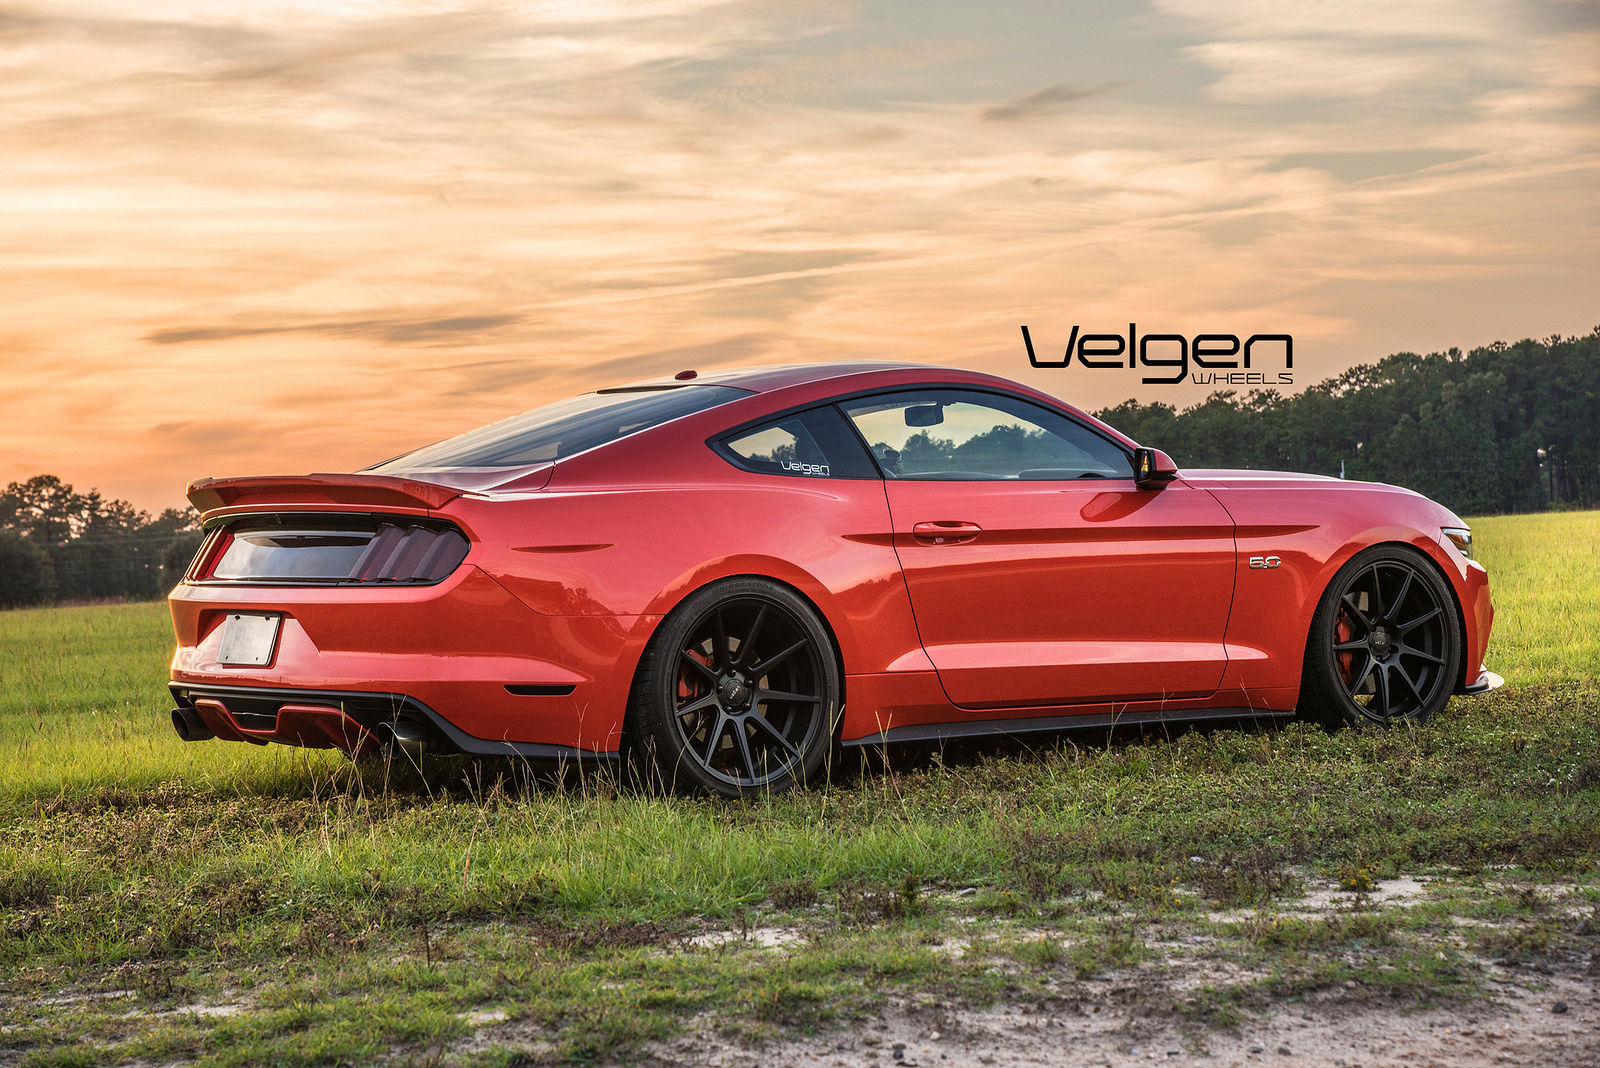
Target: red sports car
[(729, 574)]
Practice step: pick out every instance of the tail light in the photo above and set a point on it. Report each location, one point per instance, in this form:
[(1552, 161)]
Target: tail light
[(332, 550)]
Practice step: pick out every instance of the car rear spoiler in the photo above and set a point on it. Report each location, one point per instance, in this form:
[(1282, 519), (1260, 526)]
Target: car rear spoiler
[(210, 494)]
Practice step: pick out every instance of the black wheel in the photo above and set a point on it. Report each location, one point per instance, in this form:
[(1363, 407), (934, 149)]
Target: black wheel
[(1384, 646), (738, 692)]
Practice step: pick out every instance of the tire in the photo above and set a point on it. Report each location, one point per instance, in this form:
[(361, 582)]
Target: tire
[(1385, 646), (738, 692)]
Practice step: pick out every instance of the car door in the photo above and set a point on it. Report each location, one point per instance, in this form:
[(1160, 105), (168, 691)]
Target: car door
[(1039, 574)]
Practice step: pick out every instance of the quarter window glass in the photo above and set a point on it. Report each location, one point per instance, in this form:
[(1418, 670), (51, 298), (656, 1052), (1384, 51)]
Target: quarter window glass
[(962, 435), (811, 444)]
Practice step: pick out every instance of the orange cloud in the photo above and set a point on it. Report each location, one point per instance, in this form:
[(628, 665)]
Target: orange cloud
[(306, 236)]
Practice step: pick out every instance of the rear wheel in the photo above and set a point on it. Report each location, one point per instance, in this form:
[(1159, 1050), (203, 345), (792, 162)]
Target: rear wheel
[(1384, 646), (738, 692)]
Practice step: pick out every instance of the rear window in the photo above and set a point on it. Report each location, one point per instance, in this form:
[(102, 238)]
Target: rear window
[(564, 429)]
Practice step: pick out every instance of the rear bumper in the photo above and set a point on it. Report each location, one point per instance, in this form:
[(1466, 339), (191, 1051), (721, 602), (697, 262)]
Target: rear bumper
[(327, 719), (465, 656)]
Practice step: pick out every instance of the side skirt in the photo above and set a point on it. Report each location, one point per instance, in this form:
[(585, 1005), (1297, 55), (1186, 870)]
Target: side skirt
[(930, 732)]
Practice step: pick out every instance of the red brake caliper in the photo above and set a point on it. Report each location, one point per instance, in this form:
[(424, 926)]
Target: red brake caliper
[(1342, 630), (688, 687)]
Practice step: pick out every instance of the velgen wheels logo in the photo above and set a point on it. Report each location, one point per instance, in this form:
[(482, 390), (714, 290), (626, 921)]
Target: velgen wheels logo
[(795, 466), (1205, 359)]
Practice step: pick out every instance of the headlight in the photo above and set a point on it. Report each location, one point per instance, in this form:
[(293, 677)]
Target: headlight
[(1461, 538)]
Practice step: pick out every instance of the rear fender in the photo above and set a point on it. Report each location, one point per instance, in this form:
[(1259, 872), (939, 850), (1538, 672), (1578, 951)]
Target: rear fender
[(834, 617)]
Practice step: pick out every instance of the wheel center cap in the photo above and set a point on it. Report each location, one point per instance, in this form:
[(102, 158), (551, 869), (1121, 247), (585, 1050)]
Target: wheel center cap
[(733, 691), (1380, 642)]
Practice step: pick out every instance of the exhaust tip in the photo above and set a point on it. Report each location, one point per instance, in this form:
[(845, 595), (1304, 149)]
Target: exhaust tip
[(402, 736), (189, 725)]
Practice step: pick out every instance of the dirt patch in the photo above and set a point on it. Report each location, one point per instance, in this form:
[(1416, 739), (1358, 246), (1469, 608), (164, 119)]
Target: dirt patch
[(1122, 1022), (221, 1010), (1402, 892), (492, 1031), (765, 937), (587, 937)]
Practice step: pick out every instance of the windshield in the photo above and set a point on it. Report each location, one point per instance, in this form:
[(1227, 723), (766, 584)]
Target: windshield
[(563, 429)]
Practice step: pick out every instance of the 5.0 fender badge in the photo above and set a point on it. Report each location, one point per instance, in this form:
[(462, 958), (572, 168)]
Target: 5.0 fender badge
[(1264, 562)]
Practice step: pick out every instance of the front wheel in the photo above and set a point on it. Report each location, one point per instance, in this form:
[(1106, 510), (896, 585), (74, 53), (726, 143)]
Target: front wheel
[(738, 692), (1384, 648)]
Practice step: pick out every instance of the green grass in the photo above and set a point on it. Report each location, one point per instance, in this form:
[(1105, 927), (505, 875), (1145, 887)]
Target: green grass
[(1544, 573), (347, 920), (83, 704)]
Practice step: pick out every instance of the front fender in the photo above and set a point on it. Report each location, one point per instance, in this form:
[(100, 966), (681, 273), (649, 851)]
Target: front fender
[(1273, 609)]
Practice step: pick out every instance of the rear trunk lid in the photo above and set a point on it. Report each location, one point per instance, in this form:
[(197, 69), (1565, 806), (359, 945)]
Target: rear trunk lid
[(328, 530)]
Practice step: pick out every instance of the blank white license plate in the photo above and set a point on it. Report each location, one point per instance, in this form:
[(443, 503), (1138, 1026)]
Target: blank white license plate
[(249, 638)]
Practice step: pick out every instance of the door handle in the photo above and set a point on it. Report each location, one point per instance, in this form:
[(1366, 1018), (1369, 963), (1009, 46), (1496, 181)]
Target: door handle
[(945, 532)]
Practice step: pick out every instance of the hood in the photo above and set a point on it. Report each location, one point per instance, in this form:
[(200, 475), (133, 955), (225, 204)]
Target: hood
[(1227, 474)]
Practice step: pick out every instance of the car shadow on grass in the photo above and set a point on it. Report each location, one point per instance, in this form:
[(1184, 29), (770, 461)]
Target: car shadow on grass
[(478, 778)]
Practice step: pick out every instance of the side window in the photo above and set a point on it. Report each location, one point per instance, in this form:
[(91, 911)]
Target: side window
[(967, 435), (810, 444)]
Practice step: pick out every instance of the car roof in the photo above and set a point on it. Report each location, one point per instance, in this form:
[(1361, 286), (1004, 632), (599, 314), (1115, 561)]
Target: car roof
[(807, 382), (786, 376), (766, 379)]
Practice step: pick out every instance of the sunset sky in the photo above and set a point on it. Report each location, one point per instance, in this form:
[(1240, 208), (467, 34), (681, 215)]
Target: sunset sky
[(286, 237)]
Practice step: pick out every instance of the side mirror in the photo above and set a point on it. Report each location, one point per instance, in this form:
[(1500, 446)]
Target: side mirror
[(1152, 468), (925, 415)]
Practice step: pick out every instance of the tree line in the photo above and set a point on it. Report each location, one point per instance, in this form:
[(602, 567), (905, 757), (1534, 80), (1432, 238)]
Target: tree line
[(1503, 428), (57, 544)]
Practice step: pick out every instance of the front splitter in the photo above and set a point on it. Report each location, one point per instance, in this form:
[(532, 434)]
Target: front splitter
[(1486, 681)]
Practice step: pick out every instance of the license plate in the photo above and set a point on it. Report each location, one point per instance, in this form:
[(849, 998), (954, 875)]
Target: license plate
[(249, 638)]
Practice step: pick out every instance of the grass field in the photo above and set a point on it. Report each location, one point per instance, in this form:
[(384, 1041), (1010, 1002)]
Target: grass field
[(163, 901)]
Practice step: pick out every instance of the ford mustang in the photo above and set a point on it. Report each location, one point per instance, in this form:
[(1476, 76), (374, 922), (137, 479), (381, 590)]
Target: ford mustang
[(726, 576)]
